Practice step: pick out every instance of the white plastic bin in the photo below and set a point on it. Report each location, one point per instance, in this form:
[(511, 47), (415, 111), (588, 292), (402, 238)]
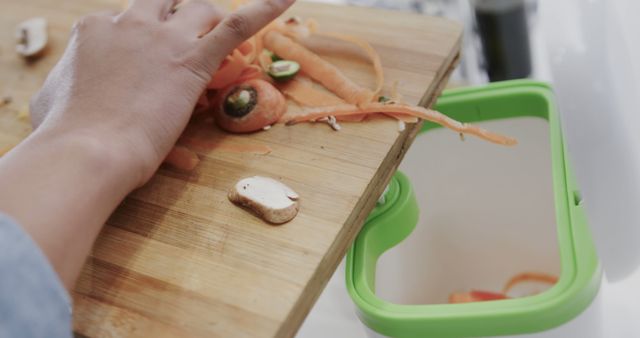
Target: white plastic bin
[(486, 213)]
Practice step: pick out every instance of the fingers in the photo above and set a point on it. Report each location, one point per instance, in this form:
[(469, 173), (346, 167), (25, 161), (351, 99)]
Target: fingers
[(197, 17), (157, 9), (240, 25)]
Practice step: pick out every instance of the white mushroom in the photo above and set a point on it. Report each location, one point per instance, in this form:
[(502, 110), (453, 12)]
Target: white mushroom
[(32, 37), (270, 199)]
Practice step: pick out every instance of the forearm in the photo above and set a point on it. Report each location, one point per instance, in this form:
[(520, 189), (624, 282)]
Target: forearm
[(62, 187)]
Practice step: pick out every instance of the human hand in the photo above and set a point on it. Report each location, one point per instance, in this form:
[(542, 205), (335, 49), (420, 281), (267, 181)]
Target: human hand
[(130, 81)]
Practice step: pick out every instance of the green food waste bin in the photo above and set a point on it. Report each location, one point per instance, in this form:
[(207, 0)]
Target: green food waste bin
[(394, 221)]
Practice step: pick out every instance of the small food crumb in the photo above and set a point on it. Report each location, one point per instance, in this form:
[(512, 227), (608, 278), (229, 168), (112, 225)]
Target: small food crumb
[(334, 123), (294, 20), (24, 114), (401, 126), (383, 197), (5, 101), (265, 128)]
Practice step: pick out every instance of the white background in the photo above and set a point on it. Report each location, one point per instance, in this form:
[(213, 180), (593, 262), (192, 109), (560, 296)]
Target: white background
[(590, 51)]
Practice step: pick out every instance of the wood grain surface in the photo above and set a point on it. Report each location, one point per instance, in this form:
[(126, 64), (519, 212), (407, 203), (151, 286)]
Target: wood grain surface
[(177, 259)]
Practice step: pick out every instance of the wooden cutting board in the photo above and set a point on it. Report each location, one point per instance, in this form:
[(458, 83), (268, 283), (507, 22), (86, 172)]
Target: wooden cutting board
[(176, 258)]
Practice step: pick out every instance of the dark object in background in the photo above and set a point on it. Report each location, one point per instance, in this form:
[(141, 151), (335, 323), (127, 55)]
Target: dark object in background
[(503, 29)]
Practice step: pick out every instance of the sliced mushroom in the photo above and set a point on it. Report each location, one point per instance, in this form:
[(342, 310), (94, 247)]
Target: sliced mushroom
[(270, 199), (32, 37)]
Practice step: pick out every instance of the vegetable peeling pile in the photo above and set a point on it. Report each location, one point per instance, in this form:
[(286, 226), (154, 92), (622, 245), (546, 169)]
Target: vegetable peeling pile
[(257, 84), (254, 86)]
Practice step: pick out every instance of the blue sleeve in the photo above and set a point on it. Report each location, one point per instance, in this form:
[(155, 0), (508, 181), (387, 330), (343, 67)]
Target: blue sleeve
[(33, 301)]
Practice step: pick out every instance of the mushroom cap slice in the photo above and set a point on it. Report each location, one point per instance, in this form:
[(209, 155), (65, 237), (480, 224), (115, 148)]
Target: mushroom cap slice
[(32, 37), (270, 199)]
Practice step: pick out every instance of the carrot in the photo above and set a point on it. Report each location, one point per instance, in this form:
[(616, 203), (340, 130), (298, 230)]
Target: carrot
[(302, 92), (373, 55), (529, 277), (419, 112), (277, 25), (259, 48), (294, 31), (249, 73), (228, 73), (318, 69), (298, 31), (182, 158), (247, 47), (250, 49), (248, 106), (235, 64)]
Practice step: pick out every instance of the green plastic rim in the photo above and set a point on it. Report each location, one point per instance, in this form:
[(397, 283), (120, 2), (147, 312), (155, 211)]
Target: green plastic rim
[(580, 268)]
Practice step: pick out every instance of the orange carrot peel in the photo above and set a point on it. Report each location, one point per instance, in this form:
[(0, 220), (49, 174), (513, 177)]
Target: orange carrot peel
[(483, 296), (373, 55), (403, 109), (529, 277)]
